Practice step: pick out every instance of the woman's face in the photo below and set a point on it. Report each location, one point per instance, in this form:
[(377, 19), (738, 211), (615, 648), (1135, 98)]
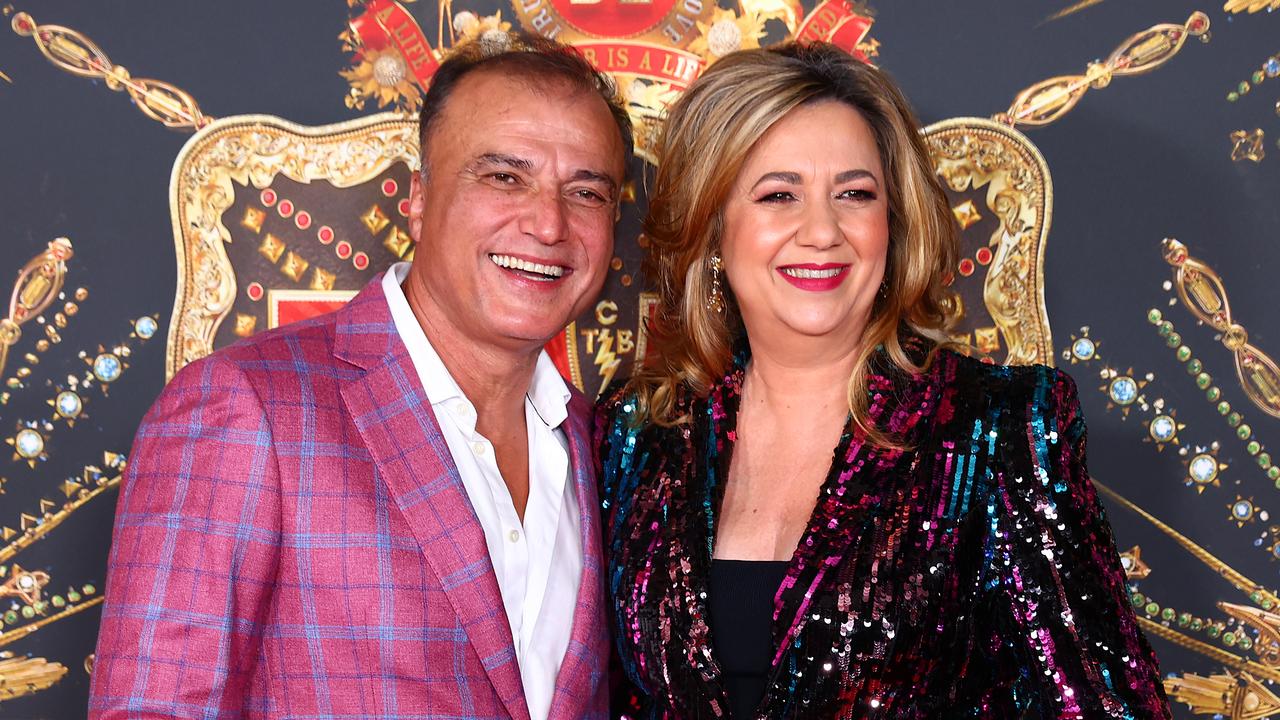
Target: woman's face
[(806, 227)]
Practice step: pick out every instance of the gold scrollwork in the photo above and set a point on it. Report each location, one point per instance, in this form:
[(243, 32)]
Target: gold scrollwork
[(254, 149), (1201, 291), (1142, 52), (38, 284), (24, 676), (970, 153), (71, 51), (1250, 6)]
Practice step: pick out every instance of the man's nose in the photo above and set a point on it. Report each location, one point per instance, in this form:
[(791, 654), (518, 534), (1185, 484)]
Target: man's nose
[(544, 218)]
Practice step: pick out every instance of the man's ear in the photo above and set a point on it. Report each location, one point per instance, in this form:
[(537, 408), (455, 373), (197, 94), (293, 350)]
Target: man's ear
[(417, 204)]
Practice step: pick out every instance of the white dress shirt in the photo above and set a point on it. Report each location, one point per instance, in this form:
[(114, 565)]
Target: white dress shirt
[(538, 562)]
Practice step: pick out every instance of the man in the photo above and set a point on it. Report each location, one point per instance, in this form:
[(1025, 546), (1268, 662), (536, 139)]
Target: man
[(389, 511)]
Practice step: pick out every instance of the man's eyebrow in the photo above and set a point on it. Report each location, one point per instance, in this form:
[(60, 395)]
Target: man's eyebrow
[(594, 176), (500, 159)]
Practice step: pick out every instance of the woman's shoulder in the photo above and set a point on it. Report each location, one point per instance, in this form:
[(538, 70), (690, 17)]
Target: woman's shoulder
[(1007, 385)]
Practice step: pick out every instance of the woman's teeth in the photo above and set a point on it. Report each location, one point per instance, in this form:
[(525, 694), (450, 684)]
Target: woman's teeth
[(807, 274)]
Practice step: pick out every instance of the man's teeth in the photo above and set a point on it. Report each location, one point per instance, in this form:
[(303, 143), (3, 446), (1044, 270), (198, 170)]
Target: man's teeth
[(514, 263), (807, 274)]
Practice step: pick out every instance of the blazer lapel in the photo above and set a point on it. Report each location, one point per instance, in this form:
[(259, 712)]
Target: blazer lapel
[(390, 410), (583, 667)]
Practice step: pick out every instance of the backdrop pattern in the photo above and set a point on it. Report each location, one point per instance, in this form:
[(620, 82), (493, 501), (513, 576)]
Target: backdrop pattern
[(1107, 163)]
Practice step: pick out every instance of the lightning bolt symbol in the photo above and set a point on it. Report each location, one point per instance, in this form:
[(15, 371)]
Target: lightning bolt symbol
[(606, 359)]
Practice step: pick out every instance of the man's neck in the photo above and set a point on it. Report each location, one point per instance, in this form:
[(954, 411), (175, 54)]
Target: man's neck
[(493, 378)]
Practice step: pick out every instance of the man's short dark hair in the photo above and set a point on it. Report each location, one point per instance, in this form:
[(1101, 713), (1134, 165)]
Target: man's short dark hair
[(529, 57)]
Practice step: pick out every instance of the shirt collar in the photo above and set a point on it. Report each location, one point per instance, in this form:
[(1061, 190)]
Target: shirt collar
[(548, 393)]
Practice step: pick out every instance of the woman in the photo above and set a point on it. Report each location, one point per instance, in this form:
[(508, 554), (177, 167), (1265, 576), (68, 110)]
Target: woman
[(956, 562)]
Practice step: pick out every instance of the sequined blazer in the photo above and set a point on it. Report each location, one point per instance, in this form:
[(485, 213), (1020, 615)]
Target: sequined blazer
[(973, 576)]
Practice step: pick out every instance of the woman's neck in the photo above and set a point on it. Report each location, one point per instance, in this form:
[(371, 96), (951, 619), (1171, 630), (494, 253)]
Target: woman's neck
[(799, 374)]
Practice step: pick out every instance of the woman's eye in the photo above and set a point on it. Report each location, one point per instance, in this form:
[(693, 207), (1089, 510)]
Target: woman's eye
[(776, 197), (867, 195)]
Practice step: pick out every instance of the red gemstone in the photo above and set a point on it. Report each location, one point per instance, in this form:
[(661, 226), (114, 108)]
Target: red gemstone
[(984, 256), (966, 267), (343, 249), (325, 234), (23, 25), (1175, 35), (403, 207), (389, 187), (285, 208), (361, 261), (1197, 23), (255, 291), (302, 220), (268, 197)]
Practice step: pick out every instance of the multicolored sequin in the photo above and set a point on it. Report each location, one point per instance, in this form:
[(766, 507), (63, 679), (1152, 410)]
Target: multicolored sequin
[(974, 576)]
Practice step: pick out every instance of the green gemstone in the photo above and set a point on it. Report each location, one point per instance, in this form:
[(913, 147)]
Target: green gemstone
[(89, 589), (1152, 608), (73, 596), (1224, 407), (1184, 619), (1234, 419), (1253, 448), (1243, 432), (1165, 328), (1267, 604), (1213, 631), (1203, 380), (1197, 624), (1245, 643), (1213, 394), (1258, 77), (1174, 340), (1229, 638), (1153, 316), (1167, 614), (1264, 460), (28, 612), (1138, 599), (1243, 88), (1273, 472), (1194, 366), (1233, 96), (58, 601), (1255, 596), (1184, 353), (40, 606), (11, 617)]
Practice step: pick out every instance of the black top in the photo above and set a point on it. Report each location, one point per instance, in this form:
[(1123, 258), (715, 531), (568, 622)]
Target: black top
[(740, 613)]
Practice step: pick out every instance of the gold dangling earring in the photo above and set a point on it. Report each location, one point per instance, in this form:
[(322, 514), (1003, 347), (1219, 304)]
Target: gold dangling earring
[(715, 300)]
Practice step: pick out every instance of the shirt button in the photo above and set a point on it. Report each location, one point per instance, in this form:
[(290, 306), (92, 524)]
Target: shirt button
[(477, 448), (463, 410), (514, 536)]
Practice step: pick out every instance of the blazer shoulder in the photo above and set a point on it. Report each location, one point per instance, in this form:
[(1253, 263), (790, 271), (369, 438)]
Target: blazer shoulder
[(1007, 385)]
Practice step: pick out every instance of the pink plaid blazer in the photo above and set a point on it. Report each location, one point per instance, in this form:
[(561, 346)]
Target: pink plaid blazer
[(293, 541)]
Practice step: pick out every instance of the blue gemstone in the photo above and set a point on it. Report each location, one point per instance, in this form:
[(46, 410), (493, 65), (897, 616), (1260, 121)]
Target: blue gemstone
[(1163, 428), (145, 327), (1083, 349), (1242, 510), (69, 404), (1123, 390), (29, 443), (1272, 67), (1204, 469), (106, 367)]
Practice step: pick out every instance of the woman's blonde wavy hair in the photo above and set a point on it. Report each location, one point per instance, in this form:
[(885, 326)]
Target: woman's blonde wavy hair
[(708, 134)]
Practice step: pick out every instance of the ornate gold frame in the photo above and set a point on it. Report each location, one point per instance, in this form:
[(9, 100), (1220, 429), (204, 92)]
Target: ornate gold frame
[(254, 149), (970, 153)]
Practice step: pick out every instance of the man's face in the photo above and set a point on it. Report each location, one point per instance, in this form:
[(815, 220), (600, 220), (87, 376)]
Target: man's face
[(514, 215)]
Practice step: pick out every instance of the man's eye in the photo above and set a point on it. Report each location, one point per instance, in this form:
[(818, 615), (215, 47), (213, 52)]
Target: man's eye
[(589, 197), (504, 178)]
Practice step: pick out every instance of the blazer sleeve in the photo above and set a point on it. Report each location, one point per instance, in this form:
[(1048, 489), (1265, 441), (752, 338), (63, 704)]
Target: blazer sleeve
[(194, 554), (1064, 622)]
